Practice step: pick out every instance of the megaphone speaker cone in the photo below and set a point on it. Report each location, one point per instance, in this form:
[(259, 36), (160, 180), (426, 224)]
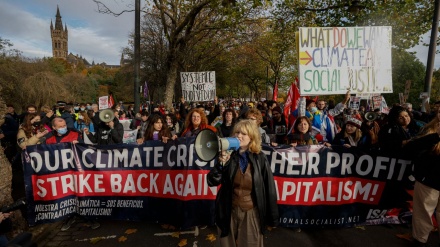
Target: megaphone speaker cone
[(206, 145), (106, 115)]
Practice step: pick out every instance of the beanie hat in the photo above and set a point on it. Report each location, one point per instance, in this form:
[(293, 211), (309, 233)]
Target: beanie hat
[(354, 121), (277, 109)]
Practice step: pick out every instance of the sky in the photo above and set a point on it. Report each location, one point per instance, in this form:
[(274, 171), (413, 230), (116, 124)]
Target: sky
[(97, 37)]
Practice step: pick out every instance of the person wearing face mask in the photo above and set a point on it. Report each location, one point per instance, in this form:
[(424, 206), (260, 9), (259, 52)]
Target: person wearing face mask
[(84, 121), (76, 108), (31, 131), (82, 107), (61, 133)]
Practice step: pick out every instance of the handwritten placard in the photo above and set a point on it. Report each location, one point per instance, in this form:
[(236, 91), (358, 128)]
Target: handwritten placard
[(333, 59), (198, 86)]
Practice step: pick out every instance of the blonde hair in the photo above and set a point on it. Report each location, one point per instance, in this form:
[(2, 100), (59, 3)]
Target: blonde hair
[(431, 128), (357, 134), (45, 109), (250, 128)]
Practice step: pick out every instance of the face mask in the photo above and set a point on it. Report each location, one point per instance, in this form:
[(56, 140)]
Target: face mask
[(36, 123), (89, 107), (76, 108), (62, 131), (82, 108), (80, 117), (314, 109), (206, 113)]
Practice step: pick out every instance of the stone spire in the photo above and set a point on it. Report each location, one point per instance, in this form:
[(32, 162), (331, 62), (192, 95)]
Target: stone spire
[(58, 21)]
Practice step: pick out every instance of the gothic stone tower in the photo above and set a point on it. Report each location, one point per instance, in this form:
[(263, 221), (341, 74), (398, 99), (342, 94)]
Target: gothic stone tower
[(59, 38)]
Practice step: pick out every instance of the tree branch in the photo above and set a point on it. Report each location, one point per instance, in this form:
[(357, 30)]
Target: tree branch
[(102, 8)]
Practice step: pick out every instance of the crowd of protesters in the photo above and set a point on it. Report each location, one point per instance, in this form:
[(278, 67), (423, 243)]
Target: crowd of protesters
[(321, 122)]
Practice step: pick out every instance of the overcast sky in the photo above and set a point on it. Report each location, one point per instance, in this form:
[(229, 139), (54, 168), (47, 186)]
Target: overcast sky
[(97, 37)]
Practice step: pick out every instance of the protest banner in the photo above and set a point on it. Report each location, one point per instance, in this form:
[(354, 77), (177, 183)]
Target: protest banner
[(316, 185), (103, 102), (198, 86), (334, 59)]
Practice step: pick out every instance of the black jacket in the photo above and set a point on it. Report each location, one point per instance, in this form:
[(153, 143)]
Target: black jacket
[(426, 164), (104, 135), (263, 191)]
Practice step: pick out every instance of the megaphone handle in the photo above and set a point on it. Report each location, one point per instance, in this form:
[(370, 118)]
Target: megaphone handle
[(224, 157)]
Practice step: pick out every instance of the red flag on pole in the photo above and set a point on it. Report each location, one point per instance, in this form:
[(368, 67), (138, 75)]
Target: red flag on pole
[(111, 101), (291, 102), (275, 92)]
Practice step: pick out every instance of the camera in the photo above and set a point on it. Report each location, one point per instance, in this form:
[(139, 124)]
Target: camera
[(14, 206)]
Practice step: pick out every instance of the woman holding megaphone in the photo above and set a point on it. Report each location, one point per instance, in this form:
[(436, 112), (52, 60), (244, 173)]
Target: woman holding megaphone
[(246, 201)]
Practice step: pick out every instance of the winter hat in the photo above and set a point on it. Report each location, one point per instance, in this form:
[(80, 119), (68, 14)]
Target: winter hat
[(354, 121), (277, 109)]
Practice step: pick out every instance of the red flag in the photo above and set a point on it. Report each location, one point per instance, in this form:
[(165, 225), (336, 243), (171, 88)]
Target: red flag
[(275, 92), (111, 101), (291, 102)]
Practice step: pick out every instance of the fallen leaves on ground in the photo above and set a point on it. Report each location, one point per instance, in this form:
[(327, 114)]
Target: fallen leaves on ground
[(130, 231), (269, 228), (211, 237), (361, 227), (175, 234), (167, 226), (95, 240), (183, 242), (122, 239), (406, 236)]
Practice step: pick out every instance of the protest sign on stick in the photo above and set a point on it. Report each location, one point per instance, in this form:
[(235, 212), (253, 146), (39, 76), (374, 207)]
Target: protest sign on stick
[(198, 86), (332, 59)]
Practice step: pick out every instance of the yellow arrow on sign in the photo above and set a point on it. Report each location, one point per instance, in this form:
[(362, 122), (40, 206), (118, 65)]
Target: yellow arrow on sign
[(305, 58)]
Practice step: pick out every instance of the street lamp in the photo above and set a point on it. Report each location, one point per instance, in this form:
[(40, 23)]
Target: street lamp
[(432, 49)]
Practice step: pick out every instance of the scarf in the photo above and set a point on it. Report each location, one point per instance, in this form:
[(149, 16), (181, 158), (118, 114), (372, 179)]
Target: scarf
[(243, 158)]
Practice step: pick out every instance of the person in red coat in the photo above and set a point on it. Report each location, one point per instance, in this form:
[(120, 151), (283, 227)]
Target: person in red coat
[(196, 121), (62, 134)]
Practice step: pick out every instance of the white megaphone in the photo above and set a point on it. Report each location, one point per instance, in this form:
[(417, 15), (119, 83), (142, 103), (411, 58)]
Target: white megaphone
[(208, 144)]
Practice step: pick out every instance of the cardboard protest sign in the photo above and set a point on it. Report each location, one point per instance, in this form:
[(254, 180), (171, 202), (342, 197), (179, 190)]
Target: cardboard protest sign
[(355, 102), (333, 59), (198, 86), (103, 102)]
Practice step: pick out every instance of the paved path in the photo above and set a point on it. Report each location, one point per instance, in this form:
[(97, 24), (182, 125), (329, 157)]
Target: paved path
[(114, 233)]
